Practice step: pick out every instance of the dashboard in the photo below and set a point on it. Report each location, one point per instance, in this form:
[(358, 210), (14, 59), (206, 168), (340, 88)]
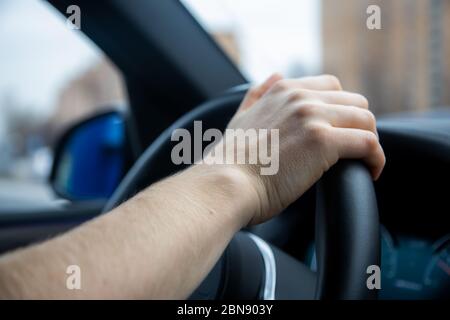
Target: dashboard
[(411, 268), (414, 268), (413, 206)]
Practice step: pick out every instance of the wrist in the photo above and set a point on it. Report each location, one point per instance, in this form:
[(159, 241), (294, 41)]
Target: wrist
[(229, 189)]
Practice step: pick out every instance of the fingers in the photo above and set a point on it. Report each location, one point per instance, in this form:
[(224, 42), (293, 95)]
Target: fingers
[(342, 116), (255, 93), (351, 126), (266, 85), (360, 144), (322, 82), (331, 97), (344, 98)]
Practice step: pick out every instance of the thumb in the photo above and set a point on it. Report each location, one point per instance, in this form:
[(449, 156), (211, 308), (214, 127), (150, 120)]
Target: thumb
[(256, 92)]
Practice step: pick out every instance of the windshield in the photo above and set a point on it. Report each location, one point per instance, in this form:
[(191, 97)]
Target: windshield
[(393, 52)]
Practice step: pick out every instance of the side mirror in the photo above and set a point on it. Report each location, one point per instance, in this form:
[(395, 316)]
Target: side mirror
[(90, 158)]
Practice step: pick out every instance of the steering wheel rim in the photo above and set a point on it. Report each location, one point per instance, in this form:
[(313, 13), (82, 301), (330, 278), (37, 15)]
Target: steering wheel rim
[(347, 223), (347, 232)]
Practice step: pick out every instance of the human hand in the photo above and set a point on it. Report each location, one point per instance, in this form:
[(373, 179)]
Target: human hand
[(318, 124)]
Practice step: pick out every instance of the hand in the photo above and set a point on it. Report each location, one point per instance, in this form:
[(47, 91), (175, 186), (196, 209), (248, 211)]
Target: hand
[(318, 124)]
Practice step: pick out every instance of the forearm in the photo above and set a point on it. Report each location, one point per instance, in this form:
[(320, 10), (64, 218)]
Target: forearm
[(160, 244)]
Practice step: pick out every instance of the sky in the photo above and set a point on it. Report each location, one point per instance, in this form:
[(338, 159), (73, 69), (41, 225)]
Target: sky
[(39, 55), (274, 35)]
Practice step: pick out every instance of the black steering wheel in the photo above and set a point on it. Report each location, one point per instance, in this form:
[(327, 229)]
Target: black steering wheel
[(347, 223)]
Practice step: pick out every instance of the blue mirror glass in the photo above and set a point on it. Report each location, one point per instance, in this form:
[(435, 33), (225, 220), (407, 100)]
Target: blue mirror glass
[(91, 159)]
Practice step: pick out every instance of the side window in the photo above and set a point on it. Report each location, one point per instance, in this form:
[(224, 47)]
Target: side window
[(51, 76)]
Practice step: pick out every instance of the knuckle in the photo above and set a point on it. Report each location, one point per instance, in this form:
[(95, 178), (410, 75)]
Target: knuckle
[(363, 102), (252, 92), (334, 81), (370, 118), (281, 85), (318, 134), (305, 110), (297, 95), (371, 141)]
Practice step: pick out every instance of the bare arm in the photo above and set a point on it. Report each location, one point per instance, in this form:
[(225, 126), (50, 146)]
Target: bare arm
[(159, 245), (164, 241)]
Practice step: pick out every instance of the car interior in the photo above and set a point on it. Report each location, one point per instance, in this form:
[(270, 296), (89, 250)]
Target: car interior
[(318, 248)]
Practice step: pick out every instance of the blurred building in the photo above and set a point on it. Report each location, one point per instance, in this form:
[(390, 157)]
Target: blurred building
[(403, 66)]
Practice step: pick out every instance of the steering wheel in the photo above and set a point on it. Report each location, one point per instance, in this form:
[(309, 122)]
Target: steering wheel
[(347, 224)]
